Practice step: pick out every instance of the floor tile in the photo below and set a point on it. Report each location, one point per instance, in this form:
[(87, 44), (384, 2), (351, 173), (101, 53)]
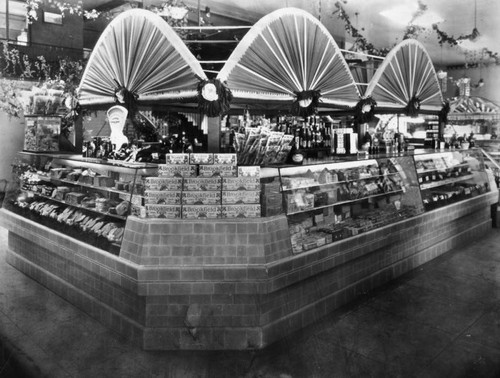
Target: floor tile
[(421, 305), (465, 359)]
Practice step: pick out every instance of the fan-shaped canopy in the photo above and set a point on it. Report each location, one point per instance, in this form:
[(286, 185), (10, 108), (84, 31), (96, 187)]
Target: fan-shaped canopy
[(285, 53), (140, 52), (407, 72), (465, 107)]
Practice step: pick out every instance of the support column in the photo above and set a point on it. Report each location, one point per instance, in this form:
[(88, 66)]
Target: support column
[(214, 134)]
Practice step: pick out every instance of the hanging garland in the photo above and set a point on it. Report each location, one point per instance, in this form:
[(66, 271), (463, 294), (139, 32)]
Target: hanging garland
[(126, 98), (214, 97), (413, 107), (365, 110), (306, 103)]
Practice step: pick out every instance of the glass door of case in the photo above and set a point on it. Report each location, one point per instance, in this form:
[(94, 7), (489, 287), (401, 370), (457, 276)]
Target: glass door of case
[(450, 176), (332, 201)]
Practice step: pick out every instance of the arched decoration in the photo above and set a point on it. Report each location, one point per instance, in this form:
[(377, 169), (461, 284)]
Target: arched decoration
[(286, 53), (406, 80), (141, 55), (467, 107)]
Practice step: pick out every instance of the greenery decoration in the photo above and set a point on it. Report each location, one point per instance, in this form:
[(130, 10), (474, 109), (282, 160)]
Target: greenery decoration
[(413, 107), (214, 97), (306, 103), (365, 110)]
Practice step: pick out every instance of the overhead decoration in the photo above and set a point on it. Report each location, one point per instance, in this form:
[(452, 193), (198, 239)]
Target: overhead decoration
[(286, 53), (139, 53), (365, 110), (214, 97), (406, 79), (473, 107), (306, 103), (413, 107), (443, 113)]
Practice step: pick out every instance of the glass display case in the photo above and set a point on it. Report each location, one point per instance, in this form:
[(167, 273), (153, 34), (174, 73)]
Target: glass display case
[(88, 199), (332, 201), (449, 176)]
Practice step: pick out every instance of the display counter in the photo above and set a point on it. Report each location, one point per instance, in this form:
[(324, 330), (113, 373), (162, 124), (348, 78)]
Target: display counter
[(328, 232)]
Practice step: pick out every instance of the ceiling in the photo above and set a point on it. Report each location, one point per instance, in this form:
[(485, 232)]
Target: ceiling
[(459, 18)]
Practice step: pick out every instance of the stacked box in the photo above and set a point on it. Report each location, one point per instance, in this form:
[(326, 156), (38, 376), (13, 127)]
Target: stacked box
[(175, 159), (223, 170), (234, 197), (271, 199), (249, 171), (201, 211), (202, 183), (156, 197), (227, 159), (201, 198), (163, 183), (241, 211), (163, 211), (201, 158), (240, 183), (176, 170)]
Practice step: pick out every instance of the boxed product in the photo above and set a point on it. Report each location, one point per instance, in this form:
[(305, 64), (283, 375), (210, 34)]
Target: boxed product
[(240, 183), (155, 197), (163, 183), (177, 159), (201, 158), (202, 183), (163, 211), (241, 211), (73, 198), (228, 159), (239, 196), (104, 181), (177, 170), (218, 170), (201, 198), (249, 171), (201, 211)]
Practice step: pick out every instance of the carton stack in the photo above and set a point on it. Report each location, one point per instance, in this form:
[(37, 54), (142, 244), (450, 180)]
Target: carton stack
[(241, 194)]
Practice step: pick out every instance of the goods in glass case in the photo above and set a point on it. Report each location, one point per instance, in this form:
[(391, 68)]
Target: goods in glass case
[(41, 134)]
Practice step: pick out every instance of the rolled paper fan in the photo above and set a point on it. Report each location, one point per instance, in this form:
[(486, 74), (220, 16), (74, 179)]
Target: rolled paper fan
[(140, 53), (365, 109), (285, 53), (214, 97), (413, 107), (407, 72), (306, 103)]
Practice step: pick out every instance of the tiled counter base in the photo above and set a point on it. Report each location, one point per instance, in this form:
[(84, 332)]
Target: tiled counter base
[(235, 284)]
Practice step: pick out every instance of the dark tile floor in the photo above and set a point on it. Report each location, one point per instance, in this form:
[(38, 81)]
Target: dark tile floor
[(442, 320)]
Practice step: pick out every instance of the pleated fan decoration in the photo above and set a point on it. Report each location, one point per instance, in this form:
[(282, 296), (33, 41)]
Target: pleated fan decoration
[(406, 80), (140, 55), (285, 56)]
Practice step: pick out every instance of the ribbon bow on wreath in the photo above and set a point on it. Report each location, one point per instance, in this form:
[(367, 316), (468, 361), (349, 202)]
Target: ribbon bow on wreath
[(413, 107), (214, 97), (365, 109), (126, 98), (306, 103), (443, 113)]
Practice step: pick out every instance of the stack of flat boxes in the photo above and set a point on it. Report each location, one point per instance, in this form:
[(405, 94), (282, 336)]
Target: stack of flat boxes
[(271, 198), (197, 186)]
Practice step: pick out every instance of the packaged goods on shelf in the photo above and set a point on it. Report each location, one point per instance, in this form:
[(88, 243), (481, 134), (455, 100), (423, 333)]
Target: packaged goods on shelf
[(249, 171), (104, 181)]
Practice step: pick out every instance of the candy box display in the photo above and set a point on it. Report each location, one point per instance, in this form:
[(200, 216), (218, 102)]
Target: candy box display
[(41, 133)]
